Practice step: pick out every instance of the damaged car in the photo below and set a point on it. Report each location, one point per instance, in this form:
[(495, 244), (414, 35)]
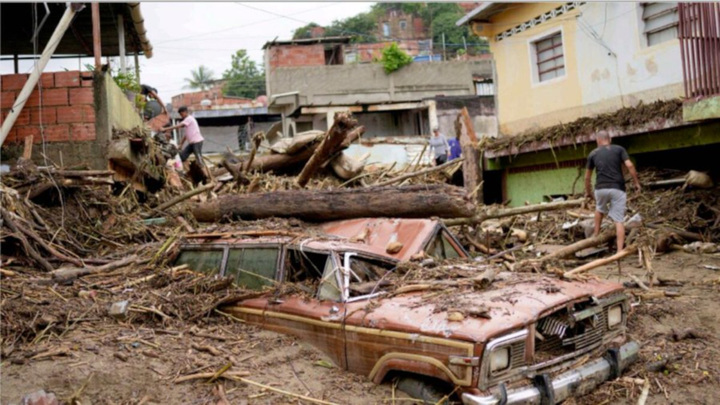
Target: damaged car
[(524, 338)]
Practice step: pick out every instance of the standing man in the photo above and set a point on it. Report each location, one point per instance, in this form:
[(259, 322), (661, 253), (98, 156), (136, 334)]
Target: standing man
[(439, 146), (192, 136), (610, 195)]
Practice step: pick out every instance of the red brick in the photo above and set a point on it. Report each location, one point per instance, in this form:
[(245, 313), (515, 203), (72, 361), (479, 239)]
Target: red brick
[(54, 97), (23, 118), (49, 116), (13, 82), (34, 99), (56, 133), (82, 132), (7, 99), (76, 114), (82, 95), (23, 131), (47, 80), (11, 136), (86, 79), (67, 79)]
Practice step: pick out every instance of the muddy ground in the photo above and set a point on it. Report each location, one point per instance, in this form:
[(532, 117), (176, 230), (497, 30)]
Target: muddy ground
[(127, 364)]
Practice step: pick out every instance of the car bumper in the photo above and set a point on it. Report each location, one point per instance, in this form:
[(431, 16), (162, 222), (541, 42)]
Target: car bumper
[(575, 382)]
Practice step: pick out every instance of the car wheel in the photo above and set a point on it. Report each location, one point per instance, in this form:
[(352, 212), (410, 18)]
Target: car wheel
[(429, 390)]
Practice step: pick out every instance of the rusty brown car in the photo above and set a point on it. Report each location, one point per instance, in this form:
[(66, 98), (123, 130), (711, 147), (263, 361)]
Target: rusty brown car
[(541, 340)]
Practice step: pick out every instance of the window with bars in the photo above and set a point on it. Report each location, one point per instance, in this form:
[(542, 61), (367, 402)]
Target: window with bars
[(549, 57), (660, 22)]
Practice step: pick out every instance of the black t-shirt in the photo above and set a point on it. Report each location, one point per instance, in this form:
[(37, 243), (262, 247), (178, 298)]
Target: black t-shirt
[(608, 161)]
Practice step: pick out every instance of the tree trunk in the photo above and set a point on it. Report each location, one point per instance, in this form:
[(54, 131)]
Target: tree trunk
[(330, 145), (509, 212), (601, 262), (422, 201), (472, 166)]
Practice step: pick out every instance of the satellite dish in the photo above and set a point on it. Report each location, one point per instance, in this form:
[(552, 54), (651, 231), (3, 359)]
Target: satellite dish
[(206, 103)]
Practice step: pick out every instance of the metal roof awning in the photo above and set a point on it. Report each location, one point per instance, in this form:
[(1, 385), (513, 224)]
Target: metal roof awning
[(310, 41), (18, 21), (483, 12)]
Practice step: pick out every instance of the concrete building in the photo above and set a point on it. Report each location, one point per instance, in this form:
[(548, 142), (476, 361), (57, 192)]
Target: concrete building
[(612, 66), (71, 113), (405, 103)]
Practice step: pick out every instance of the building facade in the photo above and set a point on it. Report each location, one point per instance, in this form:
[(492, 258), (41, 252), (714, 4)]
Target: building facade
[(565, 71)]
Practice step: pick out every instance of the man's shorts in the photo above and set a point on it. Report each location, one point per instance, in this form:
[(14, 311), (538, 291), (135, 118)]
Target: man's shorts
[(614, 199), (195, 148)]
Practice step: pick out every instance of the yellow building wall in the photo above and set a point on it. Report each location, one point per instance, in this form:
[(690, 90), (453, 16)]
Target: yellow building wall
[(518, 95)]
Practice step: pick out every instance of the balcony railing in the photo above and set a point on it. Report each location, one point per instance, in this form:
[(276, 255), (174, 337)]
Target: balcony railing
[(699, 34)]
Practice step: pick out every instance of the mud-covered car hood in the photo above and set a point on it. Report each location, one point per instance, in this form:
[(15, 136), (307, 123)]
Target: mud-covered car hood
[(511, 302)]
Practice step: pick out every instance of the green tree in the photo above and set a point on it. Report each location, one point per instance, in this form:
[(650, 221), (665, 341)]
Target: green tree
[(361, 27), (244, 78), (305, 31), (200, 79), (393, 58), (445, 24)]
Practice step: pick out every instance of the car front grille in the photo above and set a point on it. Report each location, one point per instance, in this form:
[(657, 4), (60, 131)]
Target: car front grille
[(560, 336)]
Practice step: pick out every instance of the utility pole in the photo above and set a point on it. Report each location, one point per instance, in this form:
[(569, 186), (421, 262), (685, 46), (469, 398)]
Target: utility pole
[(465, 45)]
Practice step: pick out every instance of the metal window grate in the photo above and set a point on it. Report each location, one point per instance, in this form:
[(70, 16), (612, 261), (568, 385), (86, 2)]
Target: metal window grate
[(550, 58), (699, 34)]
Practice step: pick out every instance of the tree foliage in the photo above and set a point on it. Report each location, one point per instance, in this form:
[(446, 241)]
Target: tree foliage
[(361, 27), (244, 78), (305, 31), (201, 78), (393, 58)]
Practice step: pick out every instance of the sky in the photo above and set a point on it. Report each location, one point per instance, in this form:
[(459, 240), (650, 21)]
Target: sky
[(186, 35)]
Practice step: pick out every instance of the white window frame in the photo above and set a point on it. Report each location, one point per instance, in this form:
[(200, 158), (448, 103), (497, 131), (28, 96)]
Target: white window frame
[(532, 52), (644, 39)]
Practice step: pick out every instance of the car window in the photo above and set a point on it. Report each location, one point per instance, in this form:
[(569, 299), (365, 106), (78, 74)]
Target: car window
[(314, 273), (441, 247), (252, 267), (205, 261), (365, 276), (329, 288)]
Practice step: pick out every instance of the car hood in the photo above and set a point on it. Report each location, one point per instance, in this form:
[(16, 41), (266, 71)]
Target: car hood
[(511, 302)]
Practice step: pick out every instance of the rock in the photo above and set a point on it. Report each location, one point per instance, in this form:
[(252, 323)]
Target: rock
[(119, 310), (393, 247), (40, 397), (455, 316)]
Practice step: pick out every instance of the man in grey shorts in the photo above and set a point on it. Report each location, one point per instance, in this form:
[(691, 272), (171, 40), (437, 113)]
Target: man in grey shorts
[(610, 196)]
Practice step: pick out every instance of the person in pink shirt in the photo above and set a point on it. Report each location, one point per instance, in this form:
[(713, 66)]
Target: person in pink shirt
[(192, 136)]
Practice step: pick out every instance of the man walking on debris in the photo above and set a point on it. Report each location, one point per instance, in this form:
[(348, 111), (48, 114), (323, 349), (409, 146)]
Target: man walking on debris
[(439, 145), (610, 195), (192, 136), (150, 93)]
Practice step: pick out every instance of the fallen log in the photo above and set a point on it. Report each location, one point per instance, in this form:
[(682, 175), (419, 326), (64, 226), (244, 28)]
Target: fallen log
[(472, 166), (330, 145), (570, 250), (601, 262), (422, 201), (509, 212), (419, 173), (256, 139), (68, 274), (184, 197)]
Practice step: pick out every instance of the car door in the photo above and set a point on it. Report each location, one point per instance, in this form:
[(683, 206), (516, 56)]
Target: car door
[(314, 313)]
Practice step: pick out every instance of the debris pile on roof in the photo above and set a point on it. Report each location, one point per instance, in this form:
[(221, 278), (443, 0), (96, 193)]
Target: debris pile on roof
[(627, 120)]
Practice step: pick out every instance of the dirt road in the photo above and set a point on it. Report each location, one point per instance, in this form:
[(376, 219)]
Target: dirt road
[(126, 364)]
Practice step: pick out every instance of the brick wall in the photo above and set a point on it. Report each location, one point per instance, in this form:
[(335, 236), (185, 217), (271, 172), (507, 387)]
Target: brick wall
[(64, 107), (296, 55)]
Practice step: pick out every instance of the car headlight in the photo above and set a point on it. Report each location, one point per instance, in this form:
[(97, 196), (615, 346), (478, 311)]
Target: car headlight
[(499, 359), (614, 316)]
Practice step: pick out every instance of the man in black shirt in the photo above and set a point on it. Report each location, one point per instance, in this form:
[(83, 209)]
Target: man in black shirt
[(150, 93), (609, 195)]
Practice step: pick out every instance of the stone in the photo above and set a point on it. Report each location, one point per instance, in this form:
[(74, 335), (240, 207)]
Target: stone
[(119, 310), (40, 397)]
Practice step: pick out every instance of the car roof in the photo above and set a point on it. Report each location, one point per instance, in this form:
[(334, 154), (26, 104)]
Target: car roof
[(365, 235)]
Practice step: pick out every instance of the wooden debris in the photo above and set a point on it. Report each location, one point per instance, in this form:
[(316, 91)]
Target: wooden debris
[(408, 202), (601, 262), (509, 212)]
